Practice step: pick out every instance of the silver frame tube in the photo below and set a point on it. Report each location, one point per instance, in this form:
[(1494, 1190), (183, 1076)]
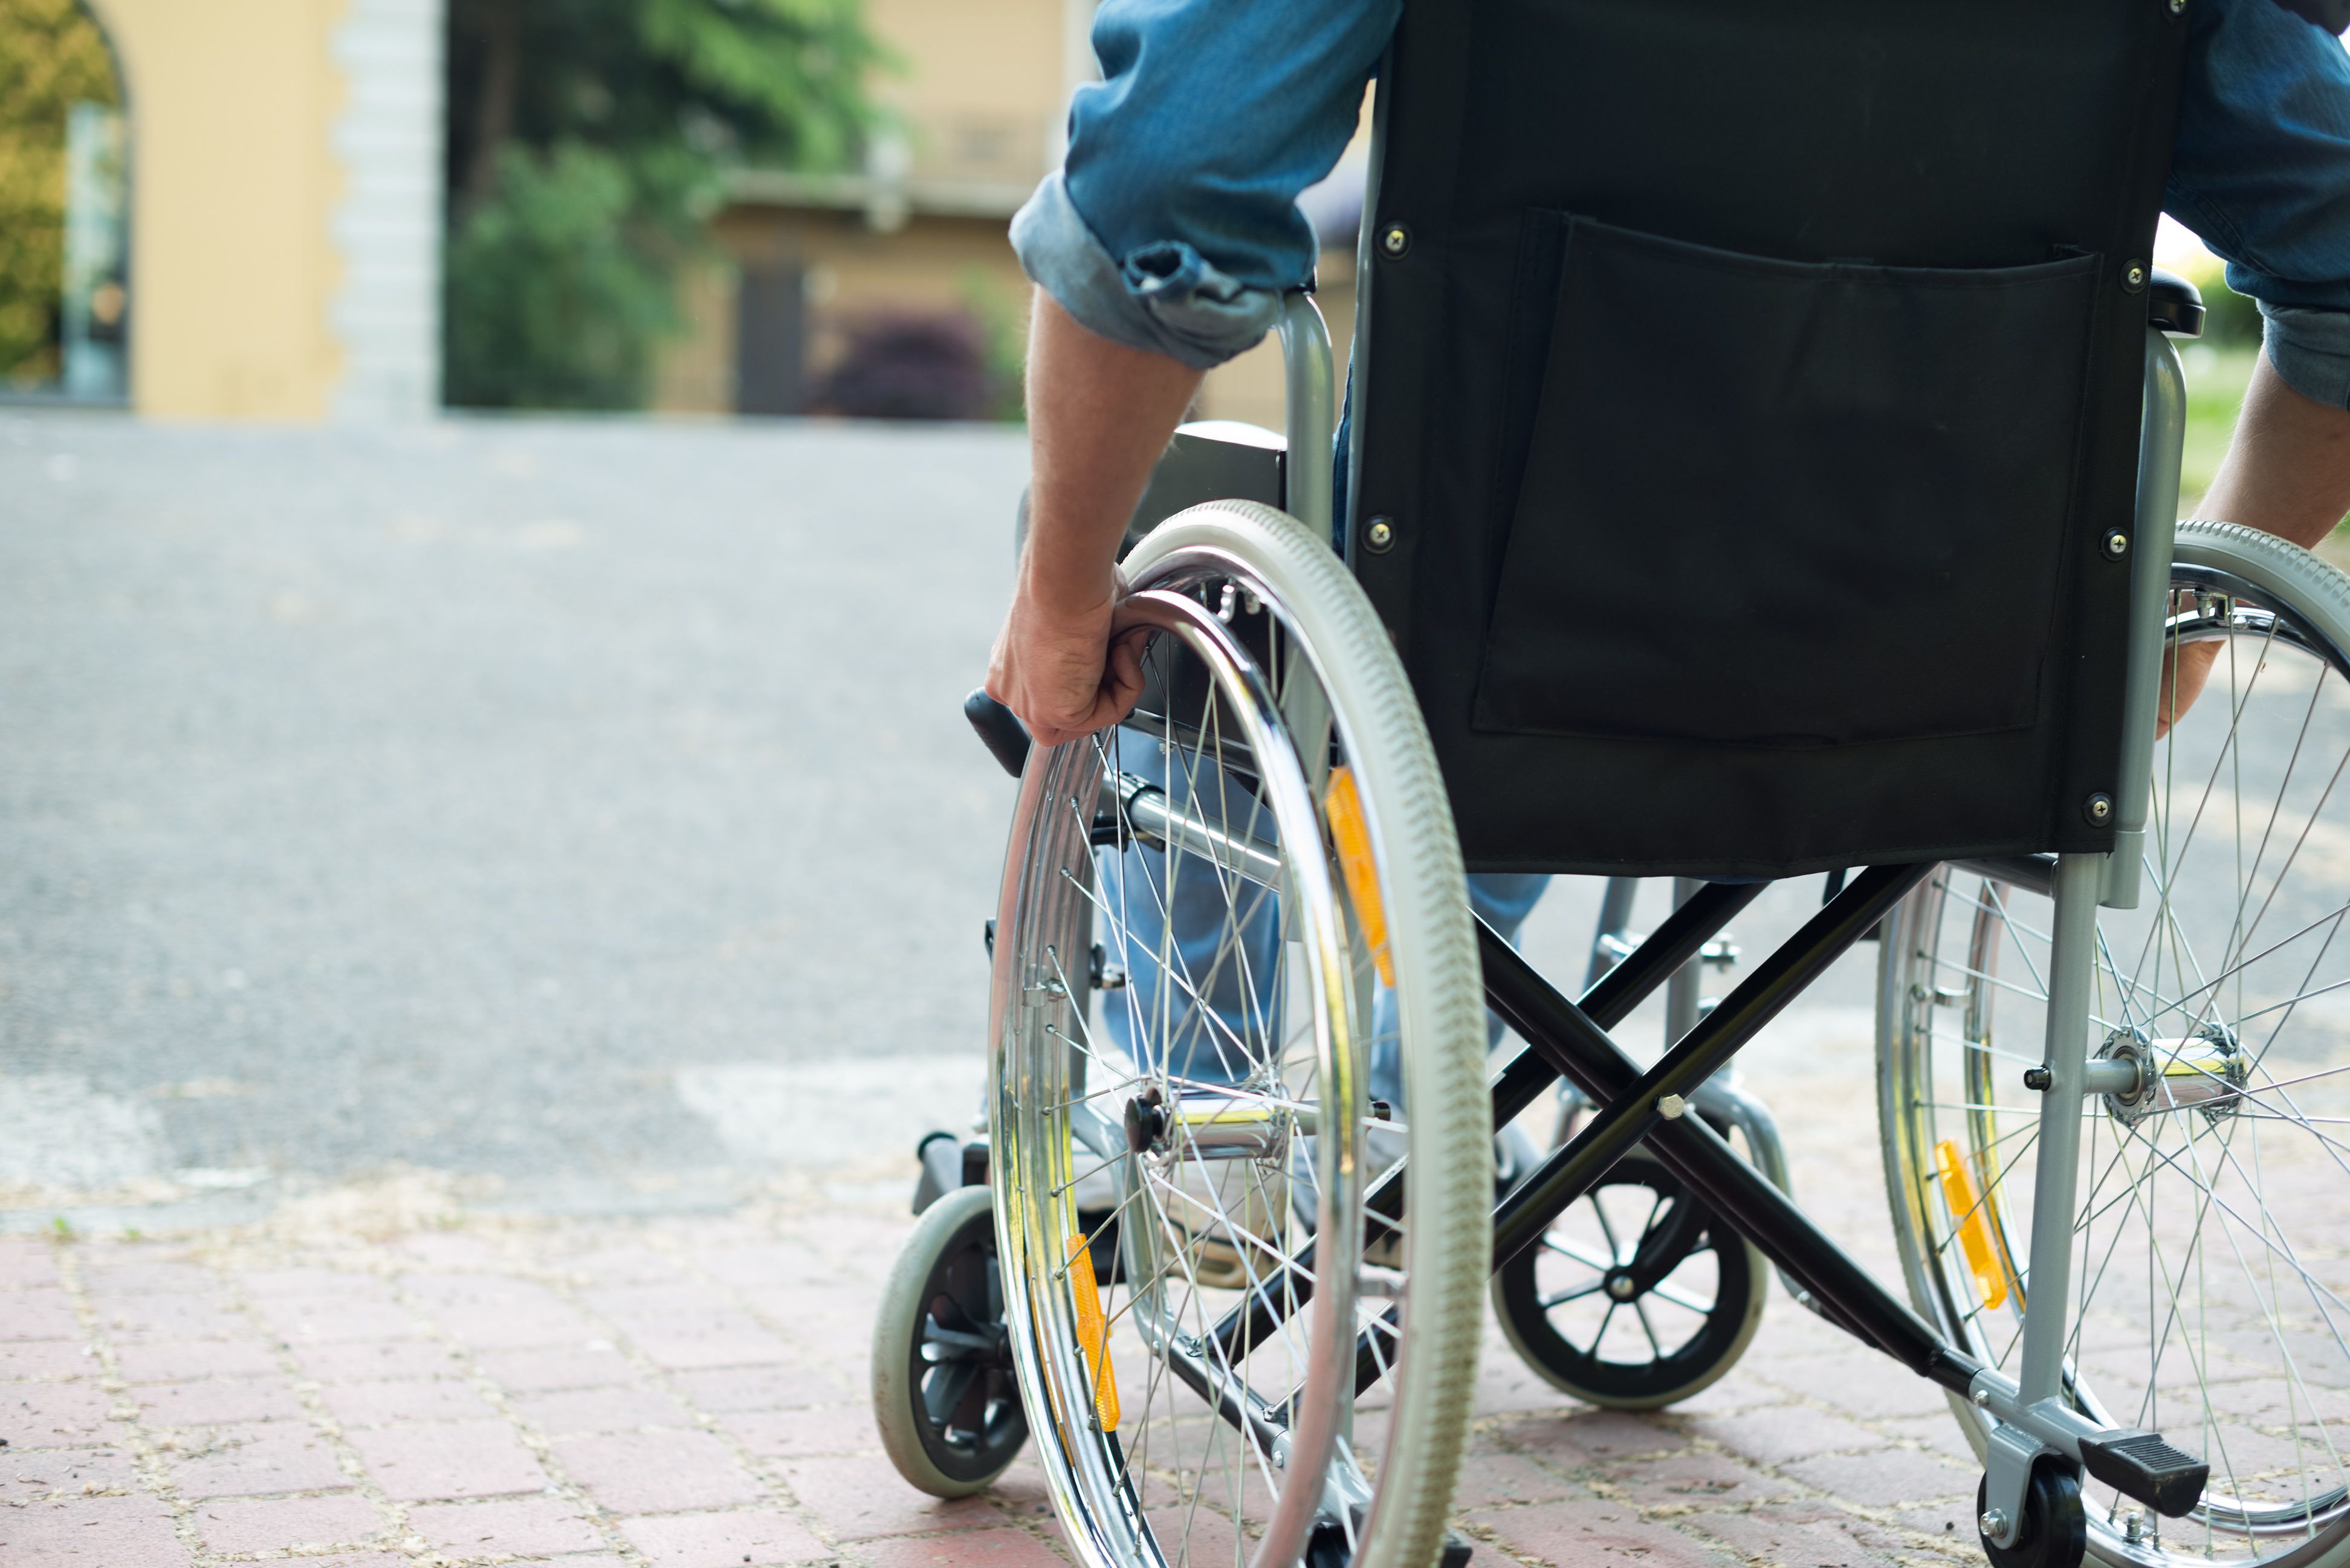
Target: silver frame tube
[(2161, 434), (1313, 404)]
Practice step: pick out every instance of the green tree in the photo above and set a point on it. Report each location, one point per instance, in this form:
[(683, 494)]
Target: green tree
[(52, 57), (587, 140)]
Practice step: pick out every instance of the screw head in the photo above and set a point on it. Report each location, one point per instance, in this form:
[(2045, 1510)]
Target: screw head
[(2134, 277), (1993, 1523), (2098, 809), (2116, 545), (1380, 537), (1670, 1106), (2177, 8), (1981, 1396), (1621, 1287), (2037, 1079), (1395, 239)]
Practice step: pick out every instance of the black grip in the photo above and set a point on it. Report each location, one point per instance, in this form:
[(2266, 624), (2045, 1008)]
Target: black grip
[(1000, 730)]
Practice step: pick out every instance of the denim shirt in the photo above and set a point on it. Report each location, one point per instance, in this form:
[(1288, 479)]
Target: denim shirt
[(1173, 226)]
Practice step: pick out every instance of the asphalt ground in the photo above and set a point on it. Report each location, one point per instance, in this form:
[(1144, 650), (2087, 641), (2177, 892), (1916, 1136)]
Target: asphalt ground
[(578, 809)]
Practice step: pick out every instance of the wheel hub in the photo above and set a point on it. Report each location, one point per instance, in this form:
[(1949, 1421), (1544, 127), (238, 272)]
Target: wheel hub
[(1212, 1126), (2206, 1072)]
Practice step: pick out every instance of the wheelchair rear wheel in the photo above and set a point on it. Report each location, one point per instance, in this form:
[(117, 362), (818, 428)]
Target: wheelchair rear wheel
[(1285, 1361), (2212, 1232)]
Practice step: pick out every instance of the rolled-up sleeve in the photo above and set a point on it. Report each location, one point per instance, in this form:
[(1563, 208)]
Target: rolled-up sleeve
[(2311, 349), (1173, 225), (2260, 168)]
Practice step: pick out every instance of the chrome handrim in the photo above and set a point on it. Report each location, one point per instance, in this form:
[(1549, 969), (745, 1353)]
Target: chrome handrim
[(1211, 1101)]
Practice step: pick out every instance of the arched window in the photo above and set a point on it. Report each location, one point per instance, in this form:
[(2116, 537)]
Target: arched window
[(65, 301)]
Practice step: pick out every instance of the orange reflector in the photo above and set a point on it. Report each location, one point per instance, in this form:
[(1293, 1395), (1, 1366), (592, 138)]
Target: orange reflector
[(1093, 1332), (1351, 835), (1974, 1217)]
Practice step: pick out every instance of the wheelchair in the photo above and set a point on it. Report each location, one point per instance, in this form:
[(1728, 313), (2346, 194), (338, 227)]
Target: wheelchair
[(1763, 451)]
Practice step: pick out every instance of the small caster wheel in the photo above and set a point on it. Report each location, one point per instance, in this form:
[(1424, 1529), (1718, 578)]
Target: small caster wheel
[(2055, 1531), (944, 1393), (1637, 1296)]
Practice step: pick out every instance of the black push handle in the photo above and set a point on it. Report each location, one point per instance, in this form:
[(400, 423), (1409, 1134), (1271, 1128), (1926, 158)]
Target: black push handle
[(1000, 730)]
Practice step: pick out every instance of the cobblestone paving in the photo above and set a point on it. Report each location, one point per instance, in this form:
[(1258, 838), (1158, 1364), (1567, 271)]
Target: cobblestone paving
[(366, 1381)]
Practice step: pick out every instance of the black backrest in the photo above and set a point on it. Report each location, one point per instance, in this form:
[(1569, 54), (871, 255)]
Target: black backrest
[(1751, 389)]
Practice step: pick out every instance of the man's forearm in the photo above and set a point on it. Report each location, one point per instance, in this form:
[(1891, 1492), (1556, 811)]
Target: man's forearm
[(1100, 414), (2287, 471)]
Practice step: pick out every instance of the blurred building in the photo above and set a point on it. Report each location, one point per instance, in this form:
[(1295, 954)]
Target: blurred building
[(921, 230), (252, 214)]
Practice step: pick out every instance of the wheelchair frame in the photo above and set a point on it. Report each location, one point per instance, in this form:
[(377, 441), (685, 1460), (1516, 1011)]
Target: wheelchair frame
[(1569, 1040)]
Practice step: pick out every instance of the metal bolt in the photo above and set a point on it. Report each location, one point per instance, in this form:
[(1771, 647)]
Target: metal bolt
[(1379, 536), (2098, 809), (1395, 239), (2134, 277), (1981, 1396), (1621, 1287), (1670, 1106), (1993, 1523), (2134, 1522), (2116, 545), (2037, 1079), (2177, 8)]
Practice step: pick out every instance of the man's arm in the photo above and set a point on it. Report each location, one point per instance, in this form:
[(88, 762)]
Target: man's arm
[(1100, 414), (2287, 472)]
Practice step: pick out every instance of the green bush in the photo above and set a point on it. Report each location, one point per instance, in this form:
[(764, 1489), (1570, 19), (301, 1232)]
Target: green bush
[(588, 144), (553, 302)]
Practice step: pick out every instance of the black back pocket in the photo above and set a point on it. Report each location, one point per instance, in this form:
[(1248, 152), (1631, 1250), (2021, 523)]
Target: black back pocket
[(1785, 503)]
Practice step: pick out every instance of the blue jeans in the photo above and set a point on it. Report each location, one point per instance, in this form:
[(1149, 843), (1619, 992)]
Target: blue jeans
[(1206, 1014)]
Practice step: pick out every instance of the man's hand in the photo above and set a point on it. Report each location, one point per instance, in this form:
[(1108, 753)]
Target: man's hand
[(1067, 672), (1099, 413)]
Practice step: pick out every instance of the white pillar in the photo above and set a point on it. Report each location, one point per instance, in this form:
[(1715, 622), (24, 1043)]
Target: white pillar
[(386, 311), (1077, 67)]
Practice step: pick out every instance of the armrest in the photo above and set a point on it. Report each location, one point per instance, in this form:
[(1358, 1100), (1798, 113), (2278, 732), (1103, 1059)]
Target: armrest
[(1211, 459), (2174, 305)]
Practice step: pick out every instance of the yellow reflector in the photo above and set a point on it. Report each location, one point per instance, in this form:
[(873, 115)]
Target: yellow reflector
[(1351, 835), (1973, 1215), (1093, 1332)]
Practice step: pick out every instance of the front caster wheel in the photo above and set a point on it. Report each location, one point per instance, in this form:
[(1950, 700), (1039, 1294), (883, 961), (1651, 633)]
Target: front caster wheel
[(2055, 1531), (943, 1394), (1637, 1296)]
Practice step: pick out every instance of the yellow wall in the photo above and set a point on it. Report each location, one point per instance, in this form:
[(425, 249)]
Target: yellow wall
[(232, 265), (982, 87)]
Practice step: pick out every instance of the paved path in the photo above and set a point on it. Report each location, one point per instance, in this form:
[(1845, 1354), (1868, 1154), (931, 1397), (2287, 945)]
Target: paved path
[(372, 1379), (487, 795)]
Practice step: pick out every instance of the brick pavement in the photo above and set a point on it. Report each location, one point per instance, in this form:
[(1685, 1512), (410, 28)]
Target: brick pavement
[(362, 1389)]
